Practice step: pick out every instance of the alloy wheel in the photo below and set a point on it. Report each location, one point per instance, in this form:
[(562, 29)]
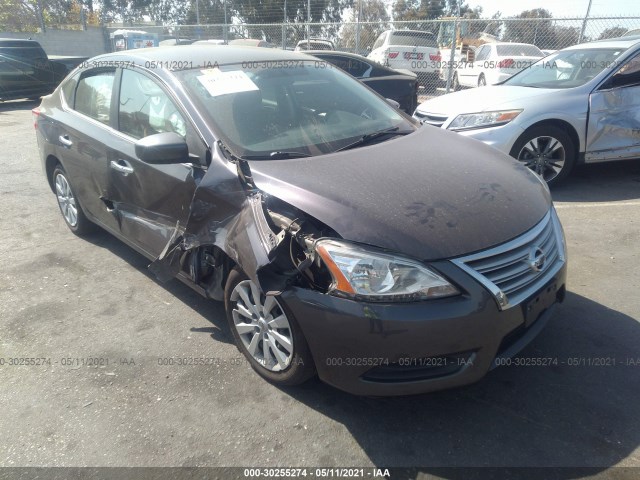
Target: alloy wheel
[(66, 200), (544, 155), (262, 326)]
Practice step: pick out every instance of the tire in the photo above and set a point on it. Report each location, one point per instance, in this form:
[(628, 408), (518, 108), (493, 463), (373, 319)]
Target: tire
[(532, 147), (70, 207), (482, 82), (279, 366)]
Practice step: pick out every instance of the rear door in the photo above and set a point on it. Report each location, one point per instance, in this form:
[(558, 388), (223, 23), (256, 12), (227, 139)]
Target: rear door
[(83, 134), (469, 72), (150, 201), (613, 130)]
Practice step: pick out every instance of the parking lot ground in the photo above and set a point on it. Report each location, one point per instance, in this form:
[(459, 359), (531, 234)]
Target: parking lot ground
[(70, 300)]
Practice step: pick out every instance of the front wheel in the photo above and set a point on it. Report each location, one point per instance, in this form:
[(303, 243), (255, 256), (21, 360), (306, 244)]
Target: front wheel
[(548, 151), (266, 333)]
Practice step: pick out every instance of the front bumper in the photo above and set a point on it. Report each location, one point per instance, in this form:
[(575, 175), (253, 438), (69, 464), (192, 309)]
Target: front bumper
[(411, 348), (501, 138)]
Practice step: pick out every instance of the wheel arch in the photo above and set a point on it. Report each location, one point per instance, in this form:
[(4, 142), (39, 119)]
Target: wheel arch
[(563, 125), (49, 166)]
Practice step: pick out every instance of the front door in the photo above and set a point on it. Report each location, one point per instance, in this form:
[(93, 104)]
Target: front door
[(613, 130), (150, 201)]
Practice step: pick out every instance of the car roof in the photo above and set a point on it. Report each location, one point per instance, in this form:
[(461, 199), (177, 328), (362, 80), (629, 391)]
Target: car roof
[(510, 43), (17, 42), (197, 55), (420, 32), (620, 42), (337, 52)]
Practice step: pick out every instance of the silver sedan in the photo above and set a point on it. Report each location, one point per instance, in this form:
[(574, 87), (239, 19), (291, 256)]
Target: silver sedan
[(580, 104)]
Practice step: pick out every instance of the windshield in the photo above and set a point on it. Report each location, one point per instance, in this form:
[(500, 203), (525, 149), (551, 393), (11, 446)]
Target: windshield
[(519, 51), (290, 106), (567, 68)]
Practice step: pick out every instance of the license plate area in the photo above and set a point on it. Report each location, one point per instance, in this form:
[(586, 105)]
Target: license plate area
[(543, 299)]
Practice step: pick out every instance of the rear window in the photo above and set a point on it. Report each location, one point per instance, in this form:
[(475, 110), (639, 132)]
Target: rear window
[(413, 39), (24, 52), (519, 51)]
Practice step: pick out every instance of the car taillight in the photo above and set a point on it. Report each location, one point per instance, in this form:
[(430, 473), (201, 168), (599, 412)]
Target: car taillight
[(393, 54), (36, 113), (507, 63), (435, 58)]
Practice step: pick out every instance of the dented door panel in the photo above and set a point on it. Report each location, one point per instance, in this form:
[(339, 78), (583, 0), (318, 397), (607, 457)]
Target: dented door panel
[(151, 200), (613, 131), (225, 213)]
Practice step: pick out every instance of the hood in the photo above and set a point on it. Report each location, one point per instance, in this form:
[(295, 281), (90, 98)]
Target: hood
[(431, 194), (485, 99)]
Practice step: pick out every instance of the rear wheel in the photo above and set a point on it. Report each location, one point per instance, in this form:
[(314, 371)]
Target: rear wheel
[(266, 333), (548, 151), (70, 208)]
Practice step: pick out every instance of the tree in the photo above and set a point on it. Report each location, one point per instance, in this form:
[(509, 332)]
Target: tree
[(536, 27), (414, 10), (612, 32), (375, 13), (564, 37), (19, 15)]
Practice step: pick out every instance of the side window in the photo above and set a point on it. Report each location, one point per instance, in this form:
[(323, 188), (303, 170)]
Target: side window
[(628, 75), (69, 89), (93, 95), (145, 109), (482, 54), (356, 67)]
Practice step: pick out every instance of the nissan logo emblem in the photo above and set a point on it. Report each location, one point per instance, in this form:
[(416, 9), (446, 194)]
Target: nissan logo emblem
[(537, 259)]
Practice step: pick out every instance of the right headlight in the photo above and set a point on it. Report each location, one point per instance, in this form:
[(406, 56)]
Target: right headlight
[(379, 276), (483, 119)]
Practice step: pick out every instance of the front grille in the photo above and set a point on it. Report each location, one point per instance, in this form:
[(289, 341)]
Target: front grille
[(431, 118), (515, 270)]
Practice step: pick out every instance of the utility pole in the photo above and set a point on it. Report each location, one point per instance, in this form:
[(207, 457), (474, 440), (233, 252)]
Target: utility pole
[(308, 21), (226, 28), (284, 27), (358, 19), (584, 22), (197, 13)]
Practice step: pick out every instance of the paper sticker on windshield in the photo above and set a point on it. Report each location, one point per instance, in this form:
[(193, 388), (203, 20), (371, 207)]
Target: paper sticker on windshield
[(219, 83)]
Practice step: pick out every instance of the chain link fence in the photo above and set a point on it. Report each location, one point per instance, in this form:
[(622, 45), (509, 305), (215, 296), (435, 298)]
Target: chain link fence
[(428, 48)]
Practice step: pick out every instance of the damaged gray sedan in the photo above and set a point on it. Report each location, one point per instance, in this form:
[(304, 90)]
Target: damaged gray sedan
[(344, 240)]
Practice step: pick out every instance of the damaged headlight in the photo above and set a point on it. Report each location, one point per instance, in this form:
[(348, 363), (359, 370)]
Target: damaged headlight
[(380, 277)]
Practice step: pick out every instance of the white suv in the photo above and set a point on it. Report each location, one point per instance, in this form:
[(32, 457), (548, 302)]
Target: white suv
[(413, 50)]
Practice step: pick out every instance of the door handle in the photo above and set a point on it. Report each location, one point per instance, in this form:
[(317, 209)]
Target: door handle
[(65, 141), (122, 166)]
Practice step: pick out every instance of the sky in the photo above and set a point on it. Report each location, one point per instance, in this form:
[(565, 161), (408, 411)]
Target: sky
[(560, 8)]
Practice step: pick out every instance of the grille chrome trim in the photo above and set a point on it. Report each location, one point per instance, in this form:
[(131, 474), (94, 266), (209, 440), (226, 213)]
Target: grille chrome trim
[(435, 119), (509, 272)]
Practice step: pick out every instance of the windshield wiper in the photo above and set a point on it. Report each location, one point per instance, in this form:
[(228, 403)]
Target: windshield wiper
[(372, 136), (277, 155)]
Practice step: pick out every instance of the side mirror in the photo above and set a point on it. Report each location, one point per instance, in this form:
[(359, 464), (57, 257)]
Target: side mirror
[(162, 148), (393, 103)]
